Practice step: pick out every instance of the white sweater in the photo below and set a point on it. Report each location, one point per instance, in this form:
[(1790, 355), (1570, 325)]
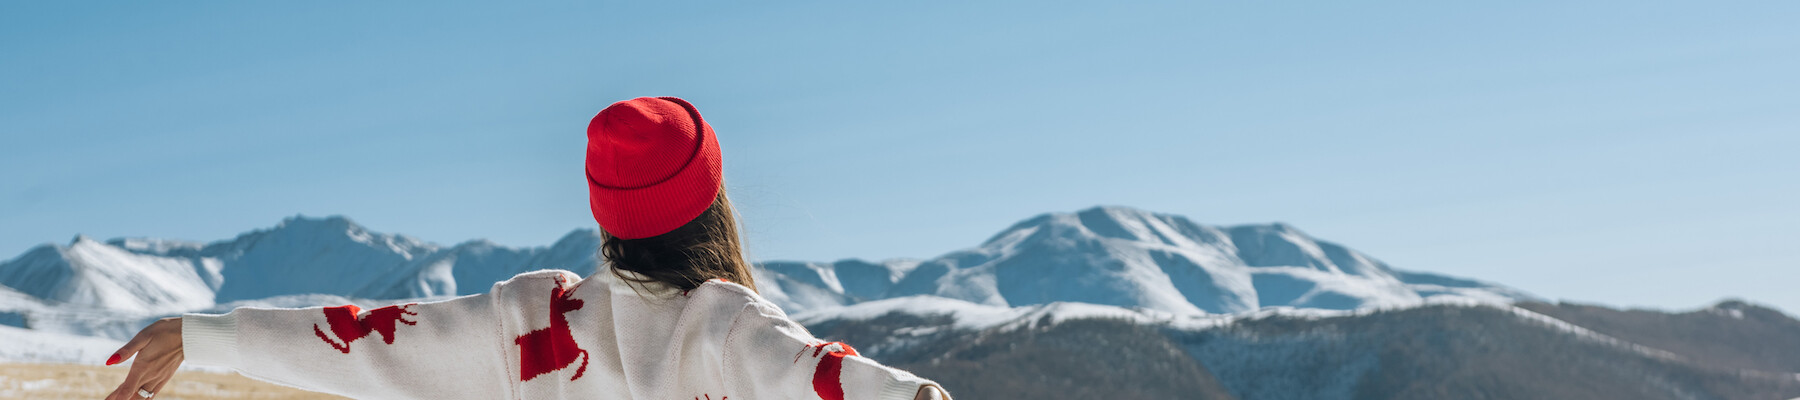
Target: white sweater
[(547, 335)]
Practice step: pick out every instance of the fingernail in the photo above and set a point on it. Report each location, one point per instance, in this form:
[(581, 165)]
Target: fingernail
[(114, 360)]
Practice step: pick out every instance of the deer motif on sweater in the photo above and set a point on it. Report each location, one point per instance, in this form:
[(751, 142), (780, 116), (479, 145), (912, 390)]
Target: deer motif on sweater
[(544, 350), (348, 327)]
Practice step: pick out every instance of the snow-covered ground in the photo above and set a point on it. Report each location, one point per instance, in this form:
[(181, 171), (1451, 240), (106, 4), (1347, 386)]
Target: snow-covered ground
[(26, 345)]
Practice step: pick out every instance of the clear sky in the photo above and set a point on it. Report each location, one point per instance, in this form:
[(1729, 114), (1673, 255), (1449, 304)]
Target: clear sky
[(1622, 153)]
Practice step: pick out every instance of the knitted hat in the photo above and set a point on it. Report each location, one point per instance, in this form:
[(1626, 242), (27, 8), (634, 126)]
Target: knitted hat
[(652, 166)]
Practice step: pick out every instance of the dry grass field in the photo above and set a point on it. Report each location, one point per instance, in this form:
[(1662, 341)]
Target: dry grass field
[(70, 381)]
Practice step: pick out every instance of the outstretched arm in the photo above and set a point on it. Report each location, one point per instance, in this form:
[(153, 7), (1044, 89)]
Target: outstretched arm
[(445, 349)]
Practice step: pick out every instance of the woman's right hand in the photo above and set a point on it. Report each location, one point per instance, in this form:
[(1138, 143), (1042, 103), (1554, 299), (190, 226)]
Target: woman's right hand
[(158, 352)]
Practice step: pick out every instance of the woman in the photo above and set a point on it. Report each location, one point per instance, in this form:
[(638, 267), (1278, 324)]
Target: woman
[(675, 316)]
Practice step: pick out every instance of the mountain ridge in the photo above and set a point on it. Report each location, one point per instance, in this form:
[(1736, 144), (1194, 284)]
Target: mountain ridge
[(1108, 255)]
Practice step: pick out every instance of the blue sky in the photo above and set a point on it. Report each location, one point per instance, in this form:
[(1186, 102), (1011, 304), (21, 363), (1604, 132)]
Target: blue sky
[(1621, 153)]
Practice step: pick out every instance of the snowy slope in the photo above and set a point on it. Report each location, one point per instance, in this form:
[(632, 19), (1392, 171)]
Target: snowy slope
[(89, 272), (26, 345)]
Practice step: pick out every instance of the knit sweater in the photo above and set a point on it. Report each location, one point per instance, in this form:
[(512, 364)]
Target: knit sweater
[(547, 335)]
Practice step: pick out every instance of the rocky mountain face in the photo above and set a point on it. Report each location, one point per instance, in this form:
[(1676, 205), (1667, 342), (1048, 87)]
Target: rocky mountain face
[(1731, 334), (1434, 351)]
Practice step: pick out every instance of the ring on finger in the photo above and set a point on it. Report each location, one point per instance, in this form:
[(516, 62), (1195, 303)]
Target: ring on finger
[(145, 393)]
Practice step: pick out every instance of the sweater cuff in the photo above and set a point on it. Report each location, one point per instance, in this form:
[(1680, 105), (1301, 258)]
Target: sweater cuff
[(209, 339), (902, 388)]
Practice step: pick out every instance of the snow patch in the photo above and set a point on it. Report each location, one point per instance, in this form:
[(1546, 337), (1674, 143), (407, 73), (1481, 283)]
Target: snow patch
[(32, 346)]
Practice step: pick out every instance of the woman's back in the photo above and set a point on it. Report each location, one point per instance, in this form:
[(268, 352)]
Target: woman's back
[(550, 335)]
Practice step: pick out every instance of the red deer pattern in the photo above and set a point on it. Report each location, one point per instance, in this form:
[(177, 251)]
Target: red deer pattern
[(544, 350), (826, 381), (348, 328)]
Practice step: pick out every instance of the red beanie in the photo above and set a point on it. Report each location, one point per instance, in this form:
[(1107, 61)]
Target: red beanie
[(652, 166)]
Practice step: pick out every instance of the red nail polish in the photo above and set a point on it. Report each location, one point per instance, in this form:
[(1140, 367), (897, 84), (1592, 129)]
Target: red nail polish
[(114, 360)]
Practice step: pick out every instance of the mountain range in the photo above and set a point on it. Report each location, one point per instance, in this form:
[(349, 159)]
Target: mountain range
[(1103, 302), (1104, 255)]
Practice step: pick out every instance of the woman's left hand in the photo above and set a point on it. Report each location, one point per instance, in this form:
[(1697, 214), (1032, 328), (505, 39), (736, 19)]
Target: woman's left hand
[(158, 352)]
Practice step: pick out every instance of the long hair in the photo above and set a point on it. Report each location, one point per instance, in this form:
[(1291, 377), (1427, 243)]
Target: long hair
[(703, 249)]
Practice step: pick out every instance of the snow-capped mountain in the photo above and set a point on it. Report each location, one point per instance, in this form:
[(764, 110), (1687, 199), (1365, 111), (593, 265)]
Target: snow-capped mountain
[(1126, 257), (91, 273), (301, 255)]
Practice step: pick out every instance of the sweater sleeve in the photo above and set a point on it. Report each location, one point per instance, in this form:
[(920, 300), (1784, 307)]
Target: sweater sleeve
[(445, 349), (776, 358)]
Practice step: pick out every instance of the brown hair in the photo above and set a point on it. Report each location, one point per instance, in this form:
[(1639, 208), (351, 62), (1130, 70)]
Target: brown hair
[(700, 250)]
